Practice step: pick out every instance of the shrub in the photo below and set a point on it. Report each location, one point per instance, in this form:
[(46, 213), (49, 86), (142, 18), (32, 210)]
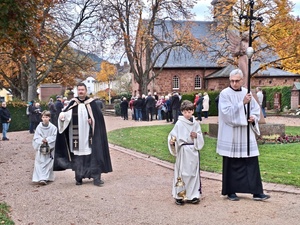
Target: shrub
[(19, 119)]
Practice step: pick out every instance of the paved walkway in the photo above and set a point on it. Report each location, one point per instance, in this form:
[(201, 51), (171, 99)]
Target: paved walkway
[(113, 123), (138, 191)]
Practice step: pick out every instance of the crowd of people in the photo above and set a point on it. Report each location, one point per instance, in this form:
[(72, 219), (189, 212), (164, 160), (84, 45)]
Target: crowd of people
[(150, 107), (202, 103)]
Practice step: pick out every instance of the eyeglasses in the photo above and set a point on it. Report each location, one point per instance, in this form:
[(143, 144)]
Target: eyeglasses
[(235, 81)]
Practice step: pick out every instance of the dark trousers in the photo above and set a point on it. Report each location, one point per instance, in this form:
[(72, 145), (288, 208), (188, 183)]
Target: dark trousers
[(175, 114), (241, 175), (149, 110), (169, 116), (199, 116)]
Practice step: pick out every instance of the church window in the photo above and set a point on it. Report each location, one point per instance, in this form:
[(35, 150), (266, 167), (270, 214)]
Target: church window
[(175, 84), (197, 82)]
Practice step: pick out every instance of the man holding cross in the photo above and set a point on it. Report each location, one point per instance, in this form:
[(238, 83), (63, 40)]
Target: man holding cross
[(241, 173), (81, 144)]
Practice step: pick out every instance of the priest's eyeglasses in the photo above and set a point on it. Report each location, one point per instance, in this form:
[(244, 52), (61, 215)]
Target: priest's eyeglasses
[(235, 81)]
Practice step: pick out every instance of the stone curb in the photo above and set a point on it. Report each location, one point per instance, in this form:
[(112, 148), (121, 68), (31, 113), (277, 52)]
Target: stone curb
[(208, 175)]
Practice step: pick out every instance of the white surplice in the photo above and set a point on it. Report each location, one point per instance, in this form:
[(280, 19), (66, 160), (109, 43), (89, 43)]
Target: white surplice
[(43, 164), (187, 165), (232, 133), (83, 129)]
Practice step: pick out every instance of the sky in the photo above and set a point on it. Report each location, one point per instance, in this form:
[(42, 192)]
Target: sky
[(202, 12)]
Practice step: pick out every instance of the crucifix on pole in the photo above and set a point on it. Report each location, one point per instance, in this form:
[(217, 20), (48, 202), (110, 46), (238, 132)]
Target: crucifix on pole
[(249, 53)]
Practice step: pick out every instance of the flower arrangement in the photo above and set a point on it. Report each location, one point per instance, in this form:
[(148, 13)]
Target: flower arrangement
[(283, 139)]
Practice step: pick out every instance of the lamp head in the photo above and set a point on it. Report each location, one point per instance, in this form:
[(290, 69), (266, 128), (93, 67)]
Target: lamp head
[(249, 52)]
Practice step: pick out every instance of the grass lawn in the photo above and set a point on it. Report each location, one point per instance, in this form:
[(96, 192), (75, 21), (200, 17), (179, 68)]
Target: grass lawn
[(4, 218), (279, 163)]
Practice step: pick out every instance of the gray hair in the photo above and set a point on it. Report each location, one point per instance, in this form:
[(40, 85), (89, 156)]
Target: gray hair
[(236, 72)]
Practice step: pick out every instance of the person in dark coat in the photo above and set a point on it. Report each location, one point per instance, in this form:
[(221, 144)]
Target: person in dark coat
[(81, 143), (58, 106), (150, 105), (138, 106), (32, 117), (37, 115), (5, 120), (144, 117), (124, 108), (175, 106), (199, 107), (52, 109)]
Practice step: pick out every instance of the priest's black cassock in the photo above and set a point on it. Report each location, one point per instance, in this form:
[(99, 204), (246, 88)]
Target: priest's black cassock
[(88, 165)]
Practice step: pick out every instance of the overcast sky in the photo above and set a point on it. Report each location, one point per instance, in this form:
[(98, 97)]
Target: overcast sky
[(202, 12)]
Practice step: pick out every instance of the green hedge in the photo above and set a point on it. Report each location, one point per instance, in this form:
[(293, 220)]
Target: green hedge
[(213, 111), (285, 96), (270, 91), (19, 119)]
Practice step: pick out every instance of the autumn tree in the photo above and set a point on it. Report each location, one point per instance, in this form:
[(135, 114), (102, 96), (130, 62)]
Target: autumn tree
[(274, 39), (148, 42), (52, 30), (107, 74)]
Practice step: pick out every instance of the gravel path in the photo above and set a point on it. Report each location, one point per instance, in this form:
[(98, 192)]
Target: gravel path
[(138, 191)]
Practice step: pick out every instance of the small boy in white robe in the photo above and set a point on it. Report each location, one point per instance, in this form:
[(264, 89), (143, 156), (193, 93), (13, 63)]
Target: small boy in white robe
[(184, 141), (45, 134)]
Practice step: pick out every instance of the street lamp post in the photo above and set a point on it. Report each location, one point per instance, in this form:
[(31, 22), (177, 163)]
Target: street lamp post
[(109, 97), (249, 53)]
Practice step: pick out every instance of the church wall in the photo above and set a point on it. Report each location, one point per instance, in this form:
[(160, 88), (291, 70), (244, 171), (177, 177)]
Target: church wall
[(163, 83), (273, 81)]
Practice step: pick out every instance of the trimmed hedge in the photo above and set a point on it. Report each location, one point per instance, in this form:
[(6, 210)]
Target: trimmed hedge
[(213, 111), (285, 96), (19, 119)]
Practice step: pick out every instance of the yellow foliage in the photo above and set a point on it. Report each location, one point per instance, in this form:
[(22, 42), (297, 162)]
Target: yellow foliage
[(107, 72), (104, 94)]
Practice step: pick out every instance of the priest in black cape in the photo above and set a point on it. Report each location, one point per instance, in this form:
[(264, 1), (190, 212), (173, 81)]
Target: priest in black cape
[(81, 143)]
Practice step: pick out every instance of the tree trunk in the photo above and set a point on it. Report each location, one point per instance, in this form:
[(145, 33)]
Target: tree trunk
[(143, 88), (32, 80)]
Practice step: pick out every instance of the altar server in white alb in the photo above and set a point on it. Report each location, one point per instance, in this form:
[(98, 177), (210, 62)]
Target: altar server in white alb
[(45, 137), (184, 141), (241, 173)]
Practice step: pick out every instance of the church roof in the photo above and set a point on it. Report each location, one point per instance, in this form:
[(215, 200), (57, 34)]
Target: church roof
[(181, 57), (270, 72), (297, 85)]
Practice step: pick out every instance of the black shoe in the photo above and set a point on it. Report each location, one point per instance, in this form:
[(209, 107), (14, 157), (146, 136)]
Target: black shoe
[(233, 197), (98, 182), (194, 201), (260, 197), (78, 182), (179, 202), (5, 139)]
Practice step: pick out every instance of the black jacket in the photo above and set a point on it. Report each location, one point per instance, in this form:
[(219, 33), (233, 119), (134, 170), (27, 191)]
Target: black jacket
[(4, 114), (150, 101), (175, 102), (138, 104)]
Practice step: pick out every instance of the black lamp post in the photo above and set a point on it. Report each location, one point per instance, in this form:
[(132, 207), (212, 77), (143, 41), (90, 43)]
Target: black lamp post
[(249, 53)]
